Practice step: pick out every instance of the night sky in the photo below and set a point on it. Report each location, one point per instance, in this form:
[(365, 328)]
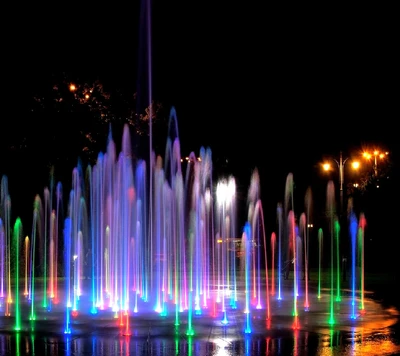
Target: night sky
[(272, 87)]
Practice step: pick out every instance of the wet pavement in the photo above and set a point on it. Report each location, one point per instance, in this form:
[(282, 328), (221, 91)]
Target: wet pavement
[(273, 330)]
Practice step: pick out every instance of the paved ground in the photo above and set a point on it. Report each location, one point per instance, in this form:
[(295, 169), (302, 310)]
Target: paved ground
[(244, 334)]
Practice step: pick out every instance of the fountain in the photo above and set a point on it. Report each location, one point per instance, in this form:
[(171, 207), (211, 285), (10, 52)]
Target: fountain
[(122, 258)]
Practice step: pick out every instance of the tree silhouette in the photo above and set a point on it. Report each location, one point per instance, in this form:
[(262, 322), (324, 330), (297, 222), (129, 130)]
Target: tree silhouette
[(66, 117)]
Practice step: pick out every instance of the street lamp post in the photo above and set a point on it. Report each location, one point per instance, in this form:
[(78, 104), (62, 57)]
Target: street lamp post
[(376, 155), (341, 165)]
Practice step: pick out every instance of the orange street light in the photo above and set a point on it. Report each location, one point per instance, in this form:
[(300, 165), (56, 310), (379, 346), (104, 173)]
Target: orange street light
[(375, 155), (341, 163)]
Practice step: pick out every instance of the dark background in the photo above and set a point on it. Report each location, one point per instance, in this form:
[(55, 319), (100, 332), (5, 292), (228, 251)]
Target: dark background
[(272, 87)]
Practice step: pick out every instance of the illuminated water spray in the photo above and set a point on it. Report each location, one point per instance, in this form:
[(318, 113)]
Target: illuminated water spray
[(26, 265), (191, 265), (353, 228), (67, 256), (5, 204), (247, 251), (36, 230), (308, 226), (332, 221), (17, 239), (273, 256), (279, 213), (293, 239), (362, 224), (320, 249), (337, 243), (226, 212), (2, 259), (304, 234)]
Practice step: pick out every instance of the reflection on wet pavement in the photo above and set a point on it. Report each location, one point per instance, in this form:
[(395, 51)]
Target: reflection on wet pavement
[(375, 331)]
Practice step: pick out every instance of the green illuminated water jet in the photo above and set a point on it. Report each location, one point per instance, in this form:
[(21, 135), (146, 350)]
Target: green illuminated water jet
[(35, 228), (337, 237), (17, 235), (330, 205)]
